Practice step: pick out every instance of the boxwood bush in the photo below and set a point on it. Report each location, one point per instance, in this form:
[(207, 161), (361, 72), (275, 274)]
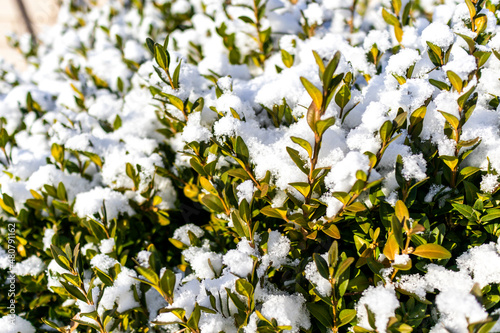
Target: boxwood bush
[(253, 166)]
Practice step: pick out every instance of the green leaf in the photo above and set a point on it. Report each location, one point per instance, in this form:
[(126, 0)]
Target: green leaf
[(322, 266), (418, 115), (239, 304), (314, 92), (151, 45), (321, 313), (194, 319), (463, 99), (161, 57), (73, 279), (333, 254), (165, 42), (239, 225), (94, 158), (238, 173), (295, 156), (241, 148), (465, 210), (386, 131), (359, 329), (303, 143), (492, 214), (302, 187), (466, 173), (213, 203), (323, 125), (4, 137), (6, 207), (436, 49), (175, 76), (343, 266), (455, 80), (246, 19), (450, 161), (175, 101), (274, 212), (333, 85), (61, 192), (482, 57), (343, 96), (432, 251), (287, 58), (117, 123), (371, 317), (57, 254), (439, 84), (400, 119), (245, 288), (346, 316), (74, 291), (105, 278), (471, 43), (167, 282), (53, 325), (390, 18), (97, 229), (149, 274), (130, 171), (332, 231), (330, 69)]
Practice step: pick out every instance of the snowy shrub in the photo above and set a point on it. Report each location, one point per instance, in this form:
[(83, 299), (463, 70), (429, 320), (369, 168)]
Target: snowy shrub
[(253, 166)]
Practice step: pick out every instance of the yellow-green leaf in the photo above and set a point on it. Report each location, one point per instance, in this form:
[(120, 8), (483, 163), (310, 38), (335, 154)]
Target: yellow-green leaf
[(472, 8), (401, 211), (207, 185), (450, 161), (455, 80), (389, 18), (343, 96), (319, 61), (451, 119), (481, 22), (313, 91), (432, 251), (176, 101), (303, 143), (391, 247), (332, 231), (287, 58)]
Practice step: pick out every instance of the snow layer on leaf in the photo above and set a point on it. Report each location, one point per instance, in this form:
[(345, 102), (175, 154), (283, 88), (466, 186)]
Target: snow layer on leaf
[(16, 324), (31, 266), (438, 34), (288, 310), (92, 202), (182, 233), (382, 301), (457, 310)]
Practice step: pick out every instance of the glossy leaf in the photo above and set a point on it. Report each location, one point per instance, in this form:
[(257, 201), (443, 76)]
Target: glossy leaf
[(321, 265), (432, 251)]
